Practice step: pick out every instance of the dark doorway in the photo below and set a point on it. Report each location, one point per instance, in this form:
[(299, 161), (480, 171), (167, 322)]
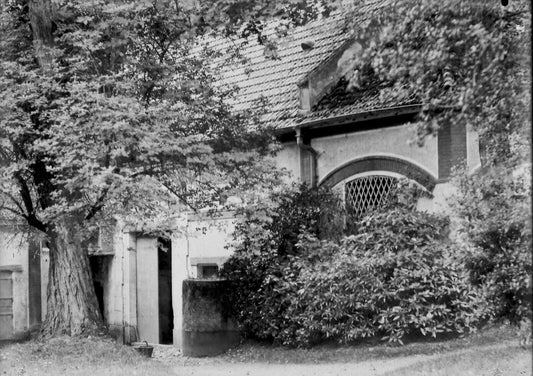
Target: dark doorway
[(99, 266), (166, 315)]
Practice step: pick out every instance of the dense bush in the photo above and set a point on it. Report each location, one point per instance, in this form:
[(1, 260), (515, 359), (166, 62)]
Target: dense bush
[(397, 277), (266, 247), (393, 278), (495, 212)]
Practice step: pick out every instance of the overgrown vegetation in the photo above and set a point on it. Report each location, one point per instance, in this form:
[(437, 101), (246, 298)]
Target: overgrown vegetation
[(106, 112), (467, 62), (398, 273), (394, 277), (393, 274), (495, 226), (263, 268)]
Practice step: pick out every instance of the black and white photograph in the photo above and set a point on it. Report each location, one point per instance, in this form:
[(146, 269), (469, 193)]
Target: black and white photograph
[(265, 187)]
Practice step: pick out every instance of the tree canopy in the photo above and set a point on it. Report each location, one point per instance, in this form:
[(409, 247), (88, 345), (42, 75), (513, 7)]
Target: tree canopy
[(110, 108), (467, 62)]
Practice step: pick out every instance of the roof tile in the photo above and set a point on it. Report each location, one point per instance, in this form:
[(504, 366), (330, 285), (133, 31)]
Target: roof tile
[(276, 80)]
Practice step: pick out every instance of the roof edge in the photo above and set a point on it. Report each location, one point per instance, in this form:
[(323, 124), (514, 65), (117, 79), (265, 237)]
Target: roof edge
[(353, 117)]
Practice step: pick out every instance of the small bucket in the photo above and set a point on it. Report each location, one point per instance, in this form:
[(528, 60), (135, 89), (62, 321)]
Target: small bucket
[(144, 348)]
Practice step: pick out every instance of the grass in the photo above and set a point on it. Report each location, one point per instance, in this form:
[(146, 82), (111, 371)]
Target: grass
[(75, 356), (257, 352), (493, 352), (493, 362)]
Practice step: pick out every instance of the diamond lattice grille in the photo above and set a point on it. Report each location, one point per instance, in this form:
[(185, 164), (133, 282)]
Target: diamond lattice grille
[(368, 193)]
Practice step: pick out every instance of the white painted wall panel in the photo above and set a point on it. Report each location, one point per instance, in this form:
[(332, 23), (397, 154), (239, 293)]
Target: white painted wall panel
[(337, 150), (147, 290)]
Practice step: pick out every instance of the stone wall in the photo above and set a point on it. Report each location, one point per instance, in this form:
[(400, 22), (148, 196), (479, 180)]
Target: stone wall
[(207, 327)]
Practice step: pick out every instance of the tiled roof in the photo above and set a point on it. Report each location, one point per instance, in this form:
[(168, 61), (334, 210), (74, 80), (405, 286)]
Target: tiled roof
[(276, 80), (340, 101)]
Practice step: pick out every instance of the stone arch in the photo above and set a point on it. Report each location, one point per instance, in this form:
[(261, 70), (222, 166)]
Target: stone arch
[(380, 163)]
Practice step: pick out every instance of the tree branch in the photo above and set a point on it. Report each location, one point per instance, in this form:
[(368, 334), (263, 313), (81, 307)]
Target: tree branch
[(98, 205), (15, 201), (30, 217), (179, 196), (11, 210)]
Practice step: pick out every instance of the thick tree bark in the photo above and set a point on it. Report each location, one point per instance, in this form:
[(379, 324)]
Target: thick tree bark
[(72, 307)]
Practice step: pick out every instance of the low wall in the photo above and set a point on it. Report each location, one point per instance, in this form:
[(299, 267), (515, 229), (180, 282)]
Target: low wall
[(207, 328)]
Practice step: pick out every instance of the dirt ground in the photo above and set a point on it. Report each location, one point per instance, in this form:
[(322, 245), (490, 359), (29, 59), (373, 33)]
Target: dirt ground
[(493, 353), (504, 359)]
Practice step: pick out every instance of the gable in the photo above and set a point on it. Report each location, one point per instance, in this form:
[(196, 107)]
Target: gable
[(279, 81)]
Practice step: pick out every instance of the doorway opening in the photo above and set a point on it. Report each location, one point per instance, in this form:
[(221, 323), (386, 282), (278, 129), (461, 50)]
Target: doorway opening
[(99, 269), (166, 314)]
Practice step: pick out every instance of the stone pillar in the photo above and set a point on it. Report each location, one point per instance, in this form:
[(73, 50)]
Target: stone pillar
[(180, 272), (129, 290)]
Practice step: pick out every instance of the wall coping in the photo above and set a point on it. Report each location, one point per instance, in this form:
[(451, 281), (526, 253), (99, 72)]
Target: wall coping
[(11, 268)]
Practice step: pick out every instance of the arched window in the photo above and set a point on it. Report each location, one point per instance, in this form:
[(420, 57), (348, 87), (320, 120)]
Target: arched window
[(367, 193), (368, 182)]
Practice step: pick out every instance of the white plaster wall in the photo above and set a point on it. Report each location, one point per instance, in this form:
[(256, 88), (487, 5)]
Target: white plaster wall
[(180, 271), (45, 270), (147, 289), (208, 238), (198, 237), (14, 252), (113, 286), (129, 291), (120, 287), (113, 292), (287, 158), (473, 158), (337, 150)]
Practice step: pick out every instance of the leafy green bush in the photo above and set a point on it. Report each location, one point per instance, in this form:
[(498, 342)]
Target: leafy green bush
[(262, 266), (495, 212), (395, 277)]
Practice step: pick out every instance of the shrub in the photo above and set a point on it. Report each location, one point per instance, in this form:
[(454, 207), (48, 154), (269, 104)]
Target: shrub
[(262, 268), (495, 212), (380, 284), (393, 278)]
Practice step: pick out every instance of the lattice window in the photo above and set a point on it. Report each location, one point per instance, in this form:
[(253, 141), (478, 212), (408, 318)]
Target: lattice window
[(368, 193)]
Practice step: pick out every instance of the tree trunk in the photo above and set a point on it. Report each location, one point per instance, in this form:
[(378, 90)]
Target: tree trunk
[(72, 307), (41, 19)]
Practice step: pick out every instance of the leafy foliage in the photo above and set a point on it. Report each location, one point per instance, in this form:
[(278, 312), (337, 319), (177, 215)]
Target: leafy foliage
[(124, 118), (111, 108), (495, 209), (467, 62), (395, 277), (265, 249)]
